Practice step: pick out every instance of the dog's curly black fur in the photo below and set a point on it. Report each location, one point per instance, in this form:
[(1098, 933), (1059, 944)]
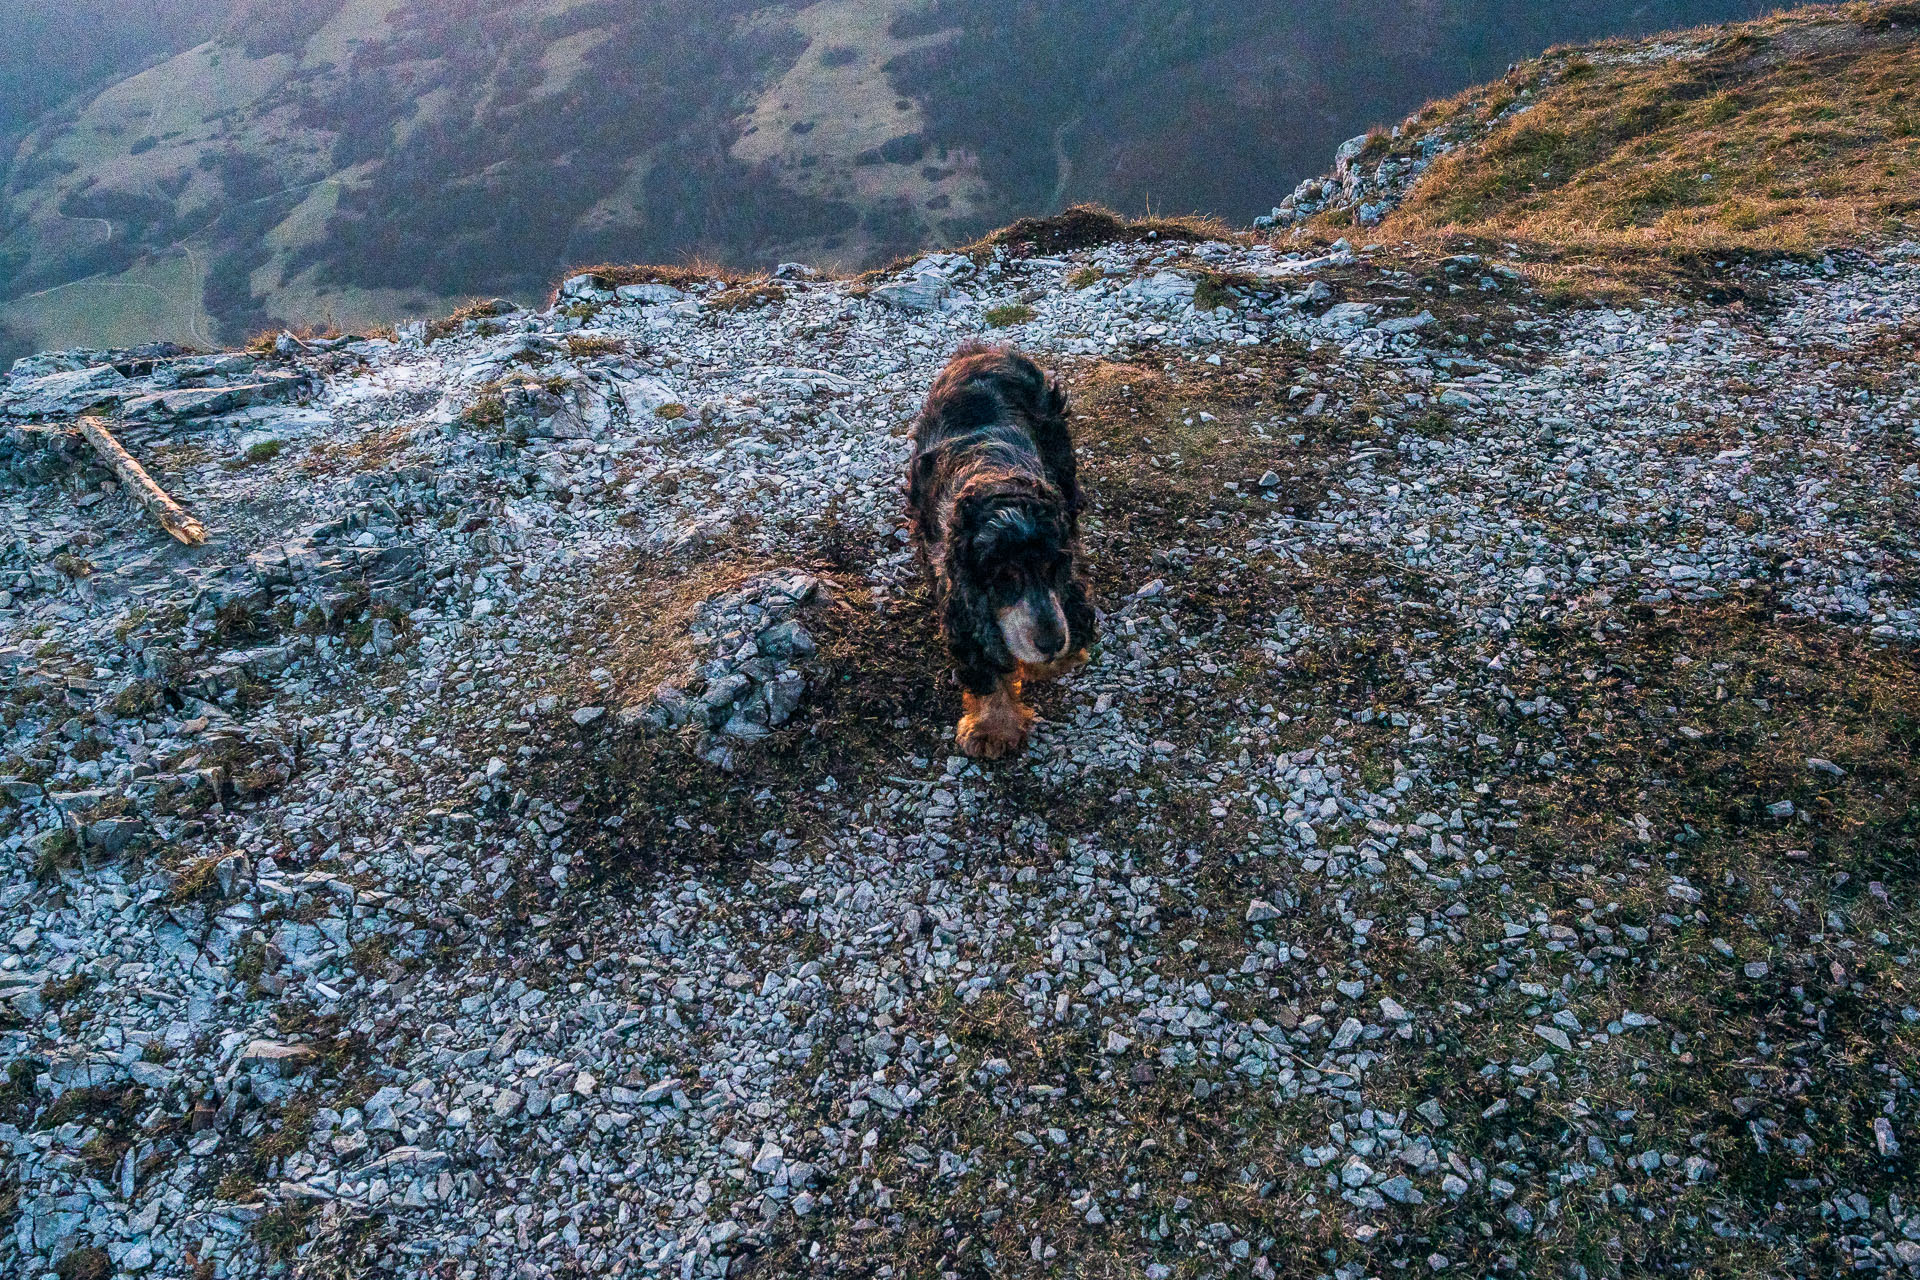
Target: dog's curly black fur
[(995, 506)]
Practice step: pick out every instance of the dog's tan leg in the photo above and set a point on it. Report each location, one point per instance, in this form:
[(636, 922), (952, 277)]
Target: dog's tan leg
[(1055, 669), (995, 725)]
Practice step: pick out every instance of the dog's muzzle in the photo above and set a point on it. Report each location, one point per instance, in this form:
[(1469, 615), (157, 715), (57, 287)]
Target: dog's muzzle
[(1035, 634)]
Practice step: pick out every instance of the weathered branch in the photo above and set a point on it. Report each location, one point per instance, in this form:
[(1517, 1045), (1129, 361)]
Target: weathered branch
[(169, 513)]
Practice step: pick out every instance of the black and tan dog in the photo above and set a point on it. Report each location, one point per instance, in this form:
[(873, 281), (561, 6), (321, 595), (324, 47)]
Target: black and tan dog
[(996, 517)]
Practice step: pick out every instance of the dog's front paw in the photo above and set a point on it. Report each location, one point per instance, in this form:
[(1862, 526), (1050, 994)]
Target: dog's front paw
[(981, 742), (994, 726)]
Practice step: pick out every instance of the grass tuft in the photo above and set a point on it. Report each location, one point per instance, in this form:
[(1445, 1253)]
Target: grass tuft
[(1211, 293), (758, 293), (87, 1263), (590, 348)]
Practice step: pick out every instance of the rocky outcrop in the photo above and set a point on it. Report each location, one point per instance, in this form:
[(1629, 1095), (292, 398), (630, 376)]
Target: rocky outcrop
[(156, 385)]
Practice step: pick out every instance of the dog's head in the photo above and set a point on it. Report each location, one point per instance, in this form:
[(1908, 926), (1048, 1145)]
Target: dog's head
[(1010, 551)]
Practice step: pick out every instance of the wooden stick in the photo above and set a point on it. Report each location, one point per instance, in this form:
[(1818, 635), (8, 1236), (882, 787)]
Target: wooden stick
[(164, 509)]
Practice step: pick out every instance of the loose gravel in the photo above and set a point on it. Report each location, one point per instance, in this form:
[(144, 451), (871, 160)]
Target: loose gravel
[(527, 840)]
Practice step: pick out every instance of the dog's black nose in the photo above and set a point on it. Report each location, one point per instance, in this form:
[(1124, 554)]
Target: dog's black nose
[(1049, 635)]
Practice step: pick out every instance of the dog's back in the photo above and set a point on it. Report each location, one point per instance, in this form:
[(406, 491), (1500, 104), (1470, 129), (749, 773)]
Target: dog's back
[(990, 410), (983, 385)]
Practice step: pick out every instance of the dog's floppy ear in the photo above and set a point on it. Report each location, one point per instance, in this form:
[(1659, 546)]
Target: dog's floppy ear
[(973, 509), (1056, 448), (973, 636), (973, 639), (921, 487), (1042, 398)]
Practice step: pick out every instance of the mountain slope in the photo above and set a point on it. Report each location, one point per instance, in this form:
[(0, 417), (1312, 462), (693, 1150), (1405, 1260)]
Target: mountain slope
[(368, 160)]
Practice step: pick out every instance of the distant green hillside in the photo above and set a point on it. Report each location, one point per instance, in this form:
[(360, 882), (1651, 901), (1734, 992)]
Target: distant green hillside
[(57, 48), (357, 160)]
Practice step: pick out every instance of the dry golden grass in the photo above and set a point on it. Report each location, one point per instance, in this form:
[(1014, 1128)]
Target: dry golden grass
[(589, 348), (367, 452), (1788, 135), (262, 345), (760, 293), (473, 309)]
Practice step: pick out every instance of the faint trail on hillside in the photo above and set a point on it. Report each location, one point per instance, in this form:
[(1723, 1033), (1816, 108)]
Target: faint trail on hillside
[(105, 222), (1062, 162), (187, 308), (196, 307), (98, 277), (155, 290), (180, 244)]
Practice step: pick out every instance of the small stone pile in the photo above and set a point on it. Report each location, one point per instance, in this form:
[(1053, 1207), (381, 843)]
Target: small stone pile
[(753, 682)]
